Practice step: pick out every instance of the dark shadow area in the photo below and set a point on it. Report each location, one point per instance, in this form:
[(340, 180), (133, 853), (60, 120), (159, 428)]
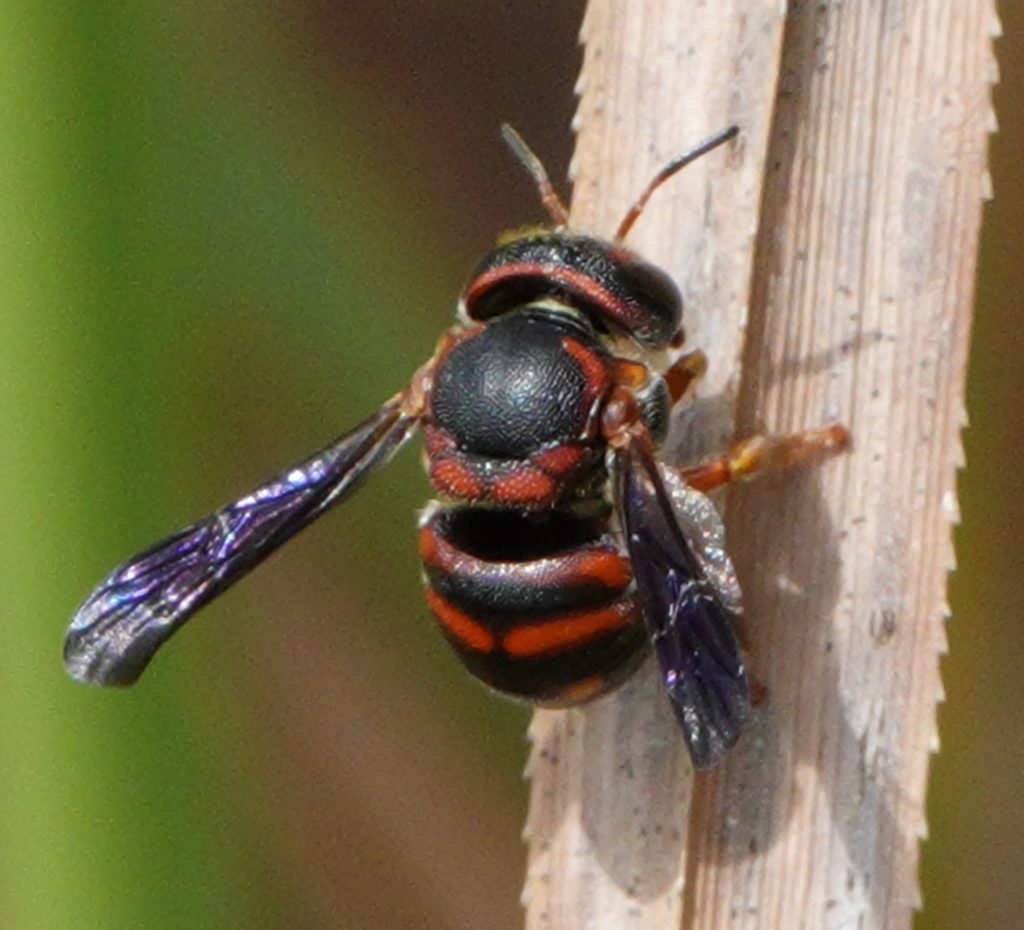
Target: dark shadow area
[(452, 73)]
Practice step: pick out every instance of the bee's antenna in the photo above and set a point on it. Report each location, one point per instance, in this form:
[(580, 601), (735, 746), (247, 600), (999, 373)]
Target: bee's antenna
[(552, 202), (680, 161)]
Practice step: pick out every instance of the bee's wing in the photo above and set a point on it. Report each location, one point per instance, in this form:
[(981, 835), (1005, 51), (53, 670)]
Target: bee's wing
[(692, 629), (134, 610)]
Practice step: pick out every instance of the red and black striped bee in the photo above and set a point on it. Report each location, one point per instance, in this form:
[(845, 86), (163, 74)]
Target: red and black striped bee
[(564, 549)]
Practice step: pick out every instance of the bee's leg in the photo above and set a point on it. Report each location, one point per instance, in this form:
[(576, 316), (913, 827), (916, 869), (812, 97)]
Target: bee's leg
[(760, 454), (684, 371)]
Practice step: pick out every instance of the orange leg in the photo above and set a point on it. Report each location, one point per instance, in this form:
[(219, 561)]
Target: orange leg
[(760, 454), (681, 374), (684, 371)]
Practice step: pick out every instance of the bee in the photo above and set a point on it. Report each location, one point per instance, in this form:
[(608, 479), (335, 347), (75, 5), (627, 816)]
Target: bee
[(562, 551)]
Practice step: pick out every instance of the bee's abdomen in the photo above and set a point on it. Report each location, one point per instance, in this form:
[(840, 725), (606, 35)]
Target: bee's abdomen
[(538, 606)]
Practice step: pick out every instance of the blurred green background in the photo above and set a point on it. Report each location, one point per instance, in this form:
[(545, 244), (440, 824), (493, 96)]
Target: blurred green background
[(227, 232)]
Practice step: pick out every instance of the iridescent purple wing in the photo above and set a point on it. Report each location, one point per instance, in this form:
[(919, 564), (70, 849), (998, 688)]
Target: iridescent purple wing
[(140, 604), (692, 630)]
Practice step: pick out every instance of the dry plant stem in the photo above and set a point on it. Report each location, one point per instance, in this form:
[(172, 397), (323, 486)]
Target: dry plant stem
[(610, 782), (860, 310)]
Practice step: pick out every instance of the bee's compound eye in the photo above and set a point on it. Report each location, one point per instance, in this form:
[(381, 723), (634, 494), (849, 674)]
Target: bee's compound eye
[(657, 293)]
